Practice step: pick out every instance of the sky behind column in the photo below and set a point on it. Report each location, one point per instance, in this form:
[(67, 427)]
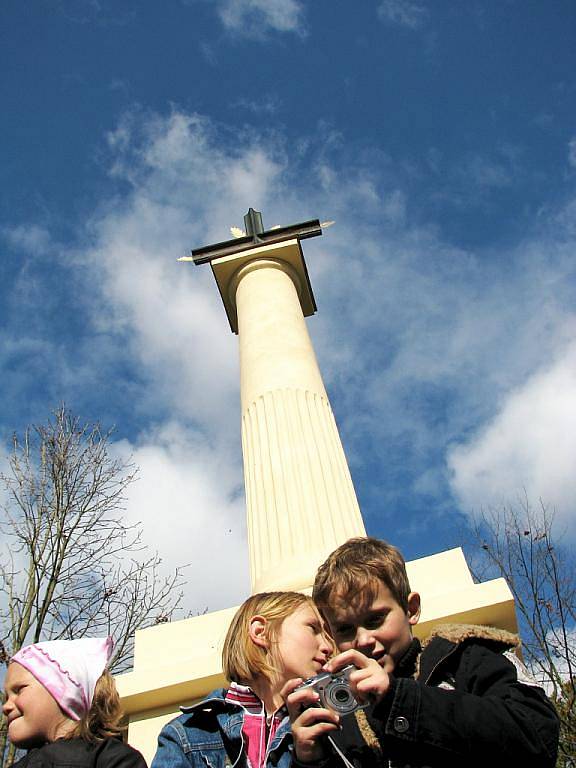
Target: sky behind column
[(441, 139)]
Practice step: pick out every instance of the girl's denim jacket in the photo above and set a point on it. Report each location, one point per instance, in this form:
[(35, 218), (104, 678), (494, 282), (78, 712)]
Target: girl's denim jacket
[(209, 735)]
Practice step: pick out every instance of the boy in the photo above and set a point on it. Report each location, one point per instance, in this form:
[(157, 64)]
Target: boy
[(462, 699)]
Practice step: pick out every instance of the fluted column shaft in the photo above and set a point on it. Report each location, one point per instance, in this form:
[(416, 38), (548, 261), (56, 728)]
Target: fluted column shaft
[(300, 499)]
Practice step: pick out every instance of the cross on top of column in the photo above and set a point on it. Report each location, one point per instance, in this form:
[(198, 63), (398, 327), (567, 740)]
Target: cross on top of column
[(278, 244), (255, 236)]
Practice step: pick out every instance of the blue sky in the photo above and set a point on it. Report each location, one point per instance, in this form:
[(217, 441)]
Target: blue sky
[(441, 138)]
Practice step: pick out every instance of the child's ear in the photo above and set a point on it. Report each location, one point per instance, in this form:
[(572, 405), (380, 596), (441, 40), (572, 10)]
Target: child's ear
[(257, 630), (413, 607)]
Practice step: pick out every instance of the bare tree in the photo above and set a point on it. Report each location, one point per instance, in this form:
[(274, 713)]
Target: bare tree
[(519, 542), (70, 565)]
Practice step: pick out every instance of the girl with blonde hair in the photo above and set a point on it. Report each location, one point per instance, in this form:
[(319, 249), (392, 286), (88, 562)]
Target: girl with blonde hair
[(274, 637)]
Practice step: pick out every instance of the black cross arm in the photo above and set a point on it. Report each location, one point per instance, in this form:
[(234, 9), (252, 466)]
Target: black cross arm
[(301, 231)]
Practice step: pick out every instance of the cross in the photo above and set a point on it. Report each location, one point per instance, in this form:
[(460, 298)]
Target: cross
[(284, 242), (255, 237)]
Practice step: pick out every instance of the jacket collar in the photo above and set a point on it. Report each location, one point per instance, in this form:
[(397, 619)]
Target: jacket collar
[(214, 701), (406, 664), (447, 639)]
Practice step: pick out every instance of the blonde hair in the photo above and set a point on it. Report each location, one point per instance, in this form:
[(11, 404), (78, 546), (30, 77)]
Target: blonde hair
[(104, 719), (242, 659), (363, 564)]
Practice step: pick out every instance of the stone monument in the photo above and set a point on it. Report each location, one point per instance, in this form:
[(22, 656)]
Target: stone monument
[(300, 500)]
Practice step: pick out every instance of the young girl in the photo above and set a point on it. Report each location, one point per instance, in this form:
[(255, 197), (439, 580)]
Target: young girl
[(273, 638), (61, 704)]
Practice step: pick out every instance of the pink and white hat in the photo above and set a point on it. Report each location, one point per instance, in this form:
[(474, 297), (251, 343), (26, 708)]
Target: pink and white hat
[(68, 669)]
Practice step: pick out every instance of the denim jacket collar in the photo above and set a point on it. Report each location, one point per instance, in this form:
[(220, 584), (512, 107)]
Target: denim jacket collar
[(231, 717)]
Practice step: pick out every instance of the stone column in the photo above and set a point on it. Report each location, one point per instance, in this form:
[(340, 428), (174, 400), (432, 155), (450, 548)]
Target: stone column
[(301, 503)]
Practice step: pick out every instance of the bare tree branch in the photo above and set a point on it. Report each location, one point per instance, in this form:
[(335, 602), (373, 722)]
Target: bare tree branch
[(520, 543), (70, 565)]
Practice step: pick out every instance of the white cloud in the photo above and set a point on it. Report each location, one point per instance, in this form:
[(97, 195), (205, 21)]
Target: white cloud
[(185, 186), (32, 238), (120, 84), (192, 512), (394, 207), (572, 152), (563, 646), (185, 190), (560, 646), (4, 470), (266, 104), (405, 13), (529, 445), (486, 173), (426, 337), (256, 18)]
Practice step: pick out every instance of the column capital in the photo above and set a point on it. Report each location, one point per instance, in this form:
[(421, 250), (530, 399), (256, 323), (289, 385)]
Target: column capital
[(228, 270)]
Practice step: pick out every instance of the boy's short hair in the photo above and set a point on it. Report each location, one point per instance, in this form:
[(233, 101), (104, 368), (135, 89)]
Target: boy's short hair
[(242, 659), (361, 563)]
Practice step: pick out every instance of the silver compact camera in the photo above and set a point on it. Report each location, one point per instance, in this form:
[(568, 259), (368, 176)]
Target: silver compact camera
[(334, 691)]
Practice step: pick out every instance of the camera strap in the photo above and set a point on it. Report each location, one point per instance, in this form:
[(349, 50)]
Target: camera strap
[(341, 754)]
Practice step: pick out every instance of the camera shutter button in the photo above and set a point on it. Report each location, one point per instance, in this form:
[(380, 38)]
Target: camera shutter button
[(401, 724)]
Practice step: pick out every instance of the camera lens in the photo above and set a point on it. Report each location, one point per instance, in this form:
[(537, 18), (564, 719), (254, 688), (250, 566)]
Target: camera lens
[(340, 699)]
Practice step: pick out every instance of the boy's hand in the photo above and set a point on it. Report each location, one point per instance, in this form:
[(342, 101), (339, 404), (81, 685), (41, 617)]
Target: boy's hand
[(309, 721), (369, 681)]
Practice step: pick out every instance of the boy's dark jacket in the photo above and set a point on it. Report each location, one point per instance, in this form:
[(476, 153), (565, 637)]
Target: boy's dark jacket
[(77, 753), (461, 702)]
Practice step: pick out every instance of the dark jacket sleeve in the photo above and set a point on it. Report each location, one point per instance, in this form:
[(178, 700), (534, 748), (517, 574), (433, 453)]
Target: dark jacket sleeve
[(489, 719)]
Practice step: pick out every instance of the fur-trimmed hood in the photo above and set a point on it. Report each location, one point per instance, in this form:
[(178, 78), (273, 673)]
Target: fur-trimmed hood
[(445, 640), (459, 633)]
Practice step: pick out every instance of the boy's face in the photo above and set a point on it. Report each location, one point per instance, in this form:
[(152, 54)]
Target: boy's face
[(377, 626)]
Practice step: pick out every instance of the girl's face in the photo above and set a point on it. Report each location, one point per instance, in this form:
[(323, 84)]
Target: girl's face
[(303, 646), (33, 716)]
